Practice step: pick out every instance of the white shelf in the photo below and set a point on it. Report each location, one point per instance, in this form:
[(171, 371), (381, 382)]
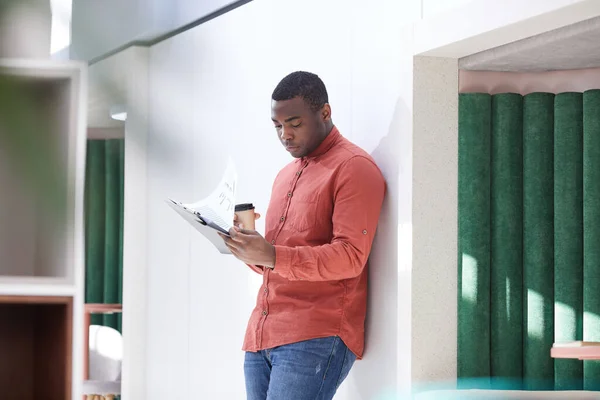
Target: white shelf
[(36, 286), (33, 242), (40, 69)]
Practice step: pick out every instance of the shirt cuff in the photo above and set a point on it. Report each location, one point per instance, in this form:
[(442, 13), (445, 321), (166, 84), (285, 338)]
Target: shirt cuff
[(283, 261), (256, 268)]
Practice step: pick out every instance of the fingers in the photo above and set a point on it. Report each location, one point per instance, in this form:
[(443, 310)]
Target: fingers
[(238, 233), (233, 251), (237, 237), (239, 241), (230, 242), (232, 248), (256, 216)]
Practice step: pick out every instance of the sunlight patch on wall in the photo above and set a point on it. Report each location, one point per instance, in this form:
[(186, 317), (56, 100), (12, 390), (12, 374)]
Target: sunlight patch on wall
[(566, 319), (469, 278), (591, 326), (508, 298), (535, 306)]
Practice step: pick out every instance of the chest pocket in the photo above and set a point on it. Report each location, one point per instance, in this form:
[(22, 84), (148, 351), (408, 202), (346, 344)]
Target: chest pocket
[(303, 212)]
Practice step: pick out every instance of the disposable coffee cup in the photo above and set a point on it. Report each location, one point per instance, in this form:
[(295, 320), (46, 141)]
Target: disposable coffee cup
[(245, 215)]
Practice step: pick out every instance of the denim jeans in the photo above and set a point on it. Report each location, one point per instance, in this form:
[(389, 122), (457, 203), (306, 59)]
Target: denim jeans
[(308, 370)]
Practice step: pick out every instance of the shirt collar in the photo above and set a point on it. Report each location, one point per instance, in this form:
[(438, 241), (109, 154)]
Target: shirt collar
[(325, 145)]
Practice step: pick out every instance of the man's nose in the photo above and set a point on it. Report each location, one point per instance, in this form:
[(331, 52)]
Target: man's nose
[(285, 133)]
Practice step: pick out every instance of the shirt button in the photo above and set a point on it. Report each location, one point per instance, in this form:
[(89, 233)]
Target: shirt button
[(364, 232), (290, 194), (264, 312), (266, 290), (282, 219), (273, 241), (298, 173)]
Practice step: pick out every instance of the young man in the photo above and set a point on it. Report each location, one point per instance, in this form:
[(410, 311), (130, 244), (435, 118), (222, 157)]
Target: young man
[(308, 325)]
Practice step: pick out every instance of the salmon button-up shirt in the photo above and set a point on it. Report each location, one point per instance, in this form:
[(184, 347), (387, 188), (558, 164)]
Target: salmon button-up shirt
[(322, 219)]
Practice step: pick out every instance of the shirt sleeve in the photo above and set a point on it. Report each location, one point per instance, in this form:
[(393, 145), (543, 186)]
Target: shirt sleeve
[(359, 191), (256, 268)]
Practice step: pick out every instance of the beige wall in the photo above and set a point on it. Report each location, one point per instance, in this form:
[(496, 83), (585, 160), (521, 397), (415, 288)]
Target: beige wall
[(493, 82), (434, 216)]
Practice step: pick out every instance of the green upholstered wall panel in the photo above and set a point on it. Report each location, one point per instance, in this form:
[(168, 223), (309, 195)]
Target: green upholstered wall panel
[(529, 238), (538, 240), (104, 226), (568, 232), (474, 235), (113, 254), (591, 231), (506, 274), (95, 183)]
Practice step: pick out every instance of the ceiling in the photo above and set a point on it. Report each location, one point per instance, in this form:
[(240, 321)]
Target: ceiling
[(102, 31), (575, 46), (102, 28)]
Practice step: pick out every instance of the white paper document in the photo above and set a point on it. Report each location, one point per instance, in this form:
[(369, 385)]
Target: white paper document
[(215, 213)]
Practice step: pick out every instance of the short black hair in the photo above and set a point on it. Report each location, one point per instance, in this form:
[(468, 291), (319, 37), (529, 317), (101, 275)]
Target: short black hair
[(305, 85)]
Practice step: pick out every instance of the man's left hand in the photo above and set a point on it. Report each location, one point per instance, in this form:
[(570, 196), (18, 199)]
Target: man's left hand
[(250, 247)]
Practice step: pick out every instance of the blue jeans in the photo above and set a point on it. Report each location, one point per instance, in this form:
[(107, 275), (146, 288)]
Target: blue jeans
[(308, 370)]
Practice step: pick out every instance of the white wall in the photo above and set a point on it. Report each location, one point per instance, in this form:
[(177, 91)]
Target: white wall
[(381, 112), (108, 85), (135, 272), (434, 7), (210, 95)]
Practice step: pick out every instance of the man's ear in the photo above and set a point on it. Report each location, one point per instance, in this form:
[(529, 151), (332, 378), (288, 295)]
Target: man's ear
[(326, 112)]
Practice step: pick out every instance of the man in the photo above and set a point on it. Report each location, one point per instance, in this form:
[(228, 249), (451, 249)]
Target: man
[(308, 325)]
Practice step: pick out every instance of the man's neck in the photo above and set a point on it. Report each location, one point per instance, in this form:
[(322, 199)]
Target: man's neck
[(329, 127), (328, 130)]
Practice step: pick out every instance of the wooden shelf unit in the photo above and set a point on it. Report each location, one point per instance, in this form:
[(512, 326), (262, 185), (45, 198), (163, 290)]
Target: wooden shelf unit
[(42, 258), (35, 343)]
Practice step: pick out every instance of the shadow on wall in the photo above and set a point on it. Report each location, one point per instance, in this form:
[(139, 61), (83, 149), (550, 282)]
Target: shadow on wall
[(377, 375)]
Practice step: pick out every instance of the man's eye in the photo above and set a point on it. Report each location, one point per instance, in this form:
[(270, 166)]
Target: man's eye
[(296, 126), (277, 126)]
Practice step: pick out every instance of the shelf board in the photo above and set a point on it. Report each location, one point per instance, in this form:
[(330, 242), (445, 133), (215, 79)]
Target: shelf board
[(36, 286), (96, 308), (576, 350), (41, 69)]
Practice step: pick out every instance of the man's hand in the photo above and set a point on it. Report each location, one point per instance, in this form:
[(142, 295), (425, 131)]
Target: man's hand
[(250, 247)]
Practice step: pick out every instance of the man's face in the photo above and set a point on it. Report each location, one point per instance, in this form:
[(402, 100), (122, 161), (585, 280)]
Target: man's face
[(300, 129)]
